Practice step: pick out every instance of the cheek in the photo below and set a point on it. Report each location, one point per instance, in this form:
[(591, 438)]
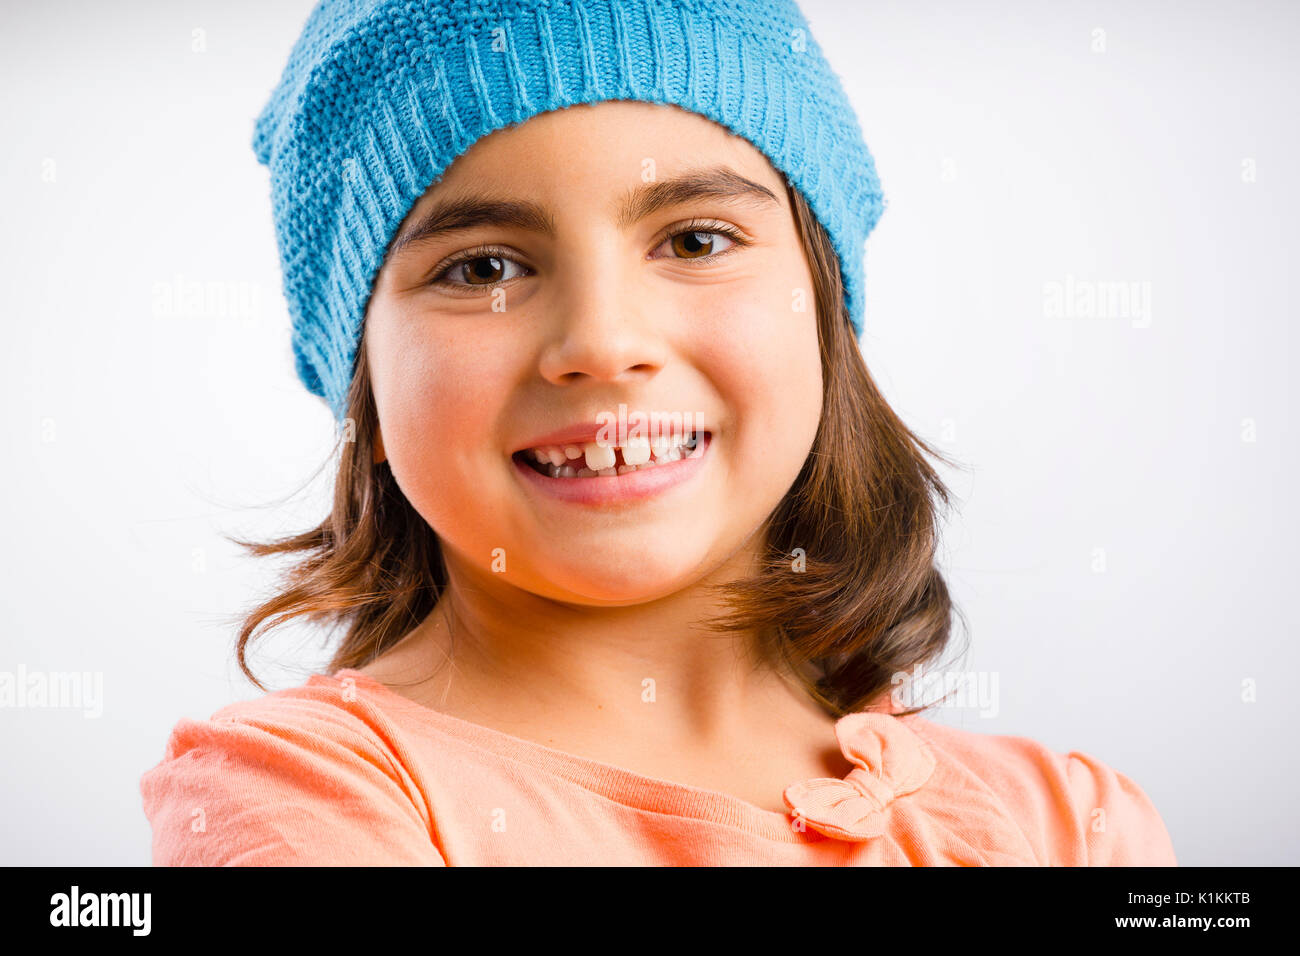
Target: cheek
[(761, 359), (436, 396), (763, 356)]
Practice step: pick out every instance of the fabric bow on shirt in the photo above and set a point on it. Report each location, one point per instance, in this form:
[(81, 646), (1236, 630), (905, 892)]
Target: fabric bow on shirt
[(890, 760)]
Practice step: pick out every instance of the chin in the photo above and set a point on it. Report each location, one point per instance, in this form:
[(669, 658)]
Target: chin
[(615, 583)]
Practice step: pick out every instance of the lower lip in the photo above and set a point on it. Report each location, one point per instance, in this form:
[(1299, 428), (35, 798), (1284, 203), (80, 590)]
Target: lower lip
[(633, 486)]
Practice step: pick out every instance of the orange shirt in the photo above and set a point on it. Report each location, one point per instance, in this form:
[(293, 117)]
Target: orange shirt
[(342, 770)]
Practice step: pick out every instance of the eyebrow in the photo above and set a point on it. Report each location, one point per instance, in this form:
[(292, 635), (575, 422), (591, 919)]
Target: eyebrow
[(717, 183)]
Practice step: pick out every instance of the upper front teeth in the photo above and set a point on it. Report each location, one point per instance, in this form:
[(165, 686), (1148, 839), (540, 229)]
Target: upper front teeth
[(636, 452), (603, 458), (599, 457)]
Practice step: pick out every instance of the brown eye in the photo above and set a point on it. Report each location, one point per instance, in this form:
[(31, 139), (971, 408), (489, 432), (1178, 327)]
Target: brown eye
[(701, 242), (692, 245), (481, 269)]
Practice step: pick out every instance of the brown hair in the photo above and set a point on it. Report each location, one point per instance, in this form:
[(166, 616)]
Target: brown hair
[(860, 601)]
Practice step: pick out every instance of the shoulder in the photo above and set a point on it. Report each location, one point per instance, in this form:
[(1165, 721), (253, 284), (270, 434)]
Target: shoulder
[(301, 776), (1078, 808)]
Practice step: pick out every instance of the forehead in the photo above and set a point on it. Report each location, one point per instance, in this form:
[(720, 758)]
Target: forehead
[(630, 159), (596, 145)]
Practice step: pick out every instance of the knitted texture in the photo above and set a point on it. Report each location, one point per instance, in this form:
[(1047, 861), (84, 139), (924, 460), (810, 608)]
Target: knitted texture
[(380, 96)]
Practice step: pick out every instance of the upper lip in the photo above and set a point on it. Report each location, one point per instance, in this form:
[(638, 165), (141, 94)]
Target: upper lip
[(581, 433)]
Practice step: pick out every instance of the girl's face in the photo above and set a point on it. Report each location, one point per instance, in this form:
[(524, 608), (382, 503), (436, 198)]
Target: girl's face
[(620, 253)]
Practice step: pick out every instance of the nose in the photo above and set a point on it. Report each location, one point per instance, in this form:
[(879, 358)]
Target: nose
[(602, 329)]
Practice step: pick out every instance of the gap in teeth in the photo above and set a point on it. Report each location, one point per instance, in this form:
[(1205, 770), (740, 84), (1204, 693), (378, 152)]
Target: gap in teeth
[(592, 459)]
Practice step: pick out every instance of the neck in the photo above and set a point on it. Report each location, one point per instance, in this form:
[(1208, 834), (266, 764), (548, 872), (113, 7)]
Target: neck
[(511, 655)]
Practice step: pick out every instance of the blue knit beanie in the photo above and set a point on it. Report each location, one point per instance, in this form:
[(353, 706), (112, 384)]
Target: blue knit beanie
[(379, 96)]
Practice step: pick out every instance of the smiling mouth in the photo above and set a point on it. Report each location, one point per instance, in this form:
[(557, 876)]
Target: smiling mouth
[(593, 460)]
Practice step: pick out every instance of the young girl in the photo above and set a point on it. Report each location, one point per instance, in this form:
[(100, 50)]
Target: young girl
[(631, 558)]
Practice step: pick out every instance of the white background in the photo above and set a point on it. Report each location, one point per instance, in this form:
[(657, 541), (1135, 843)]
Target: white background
[(1013, 155)]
